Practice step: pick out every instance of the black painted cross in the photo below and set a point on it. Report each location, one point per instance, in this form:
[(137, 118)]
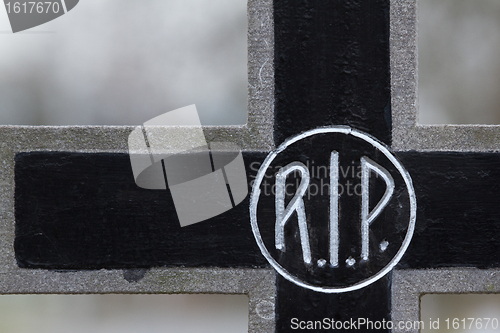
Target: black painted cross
[(332, 67)]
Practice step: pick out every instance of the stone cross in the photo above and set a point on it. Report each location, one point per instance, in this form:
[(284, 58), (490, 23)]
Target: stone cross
[(73, 220)]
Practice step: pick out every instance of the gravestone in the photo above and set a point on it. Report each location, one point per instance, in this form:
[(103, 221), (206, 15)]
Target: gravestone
[(330, 82)]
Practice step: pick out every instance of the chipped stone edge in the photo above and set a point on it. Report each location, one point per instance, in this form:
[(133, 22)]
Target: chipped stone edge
[(407, 134), (256, 135), (409, 285)]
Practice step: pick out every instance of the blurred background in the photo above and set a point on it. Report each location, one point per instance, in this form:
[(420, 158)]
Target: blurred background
[(477, 306), (459, 61), (123, 62), (123, 314)]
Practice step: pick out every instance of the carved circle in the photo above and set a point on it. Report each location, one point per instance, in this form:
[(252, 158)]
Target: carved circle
[(379, 146)]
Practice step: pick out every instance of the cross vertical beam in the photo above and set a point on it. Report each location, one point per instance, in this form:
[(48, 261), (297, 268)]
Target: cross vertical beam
[(331, 68)]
